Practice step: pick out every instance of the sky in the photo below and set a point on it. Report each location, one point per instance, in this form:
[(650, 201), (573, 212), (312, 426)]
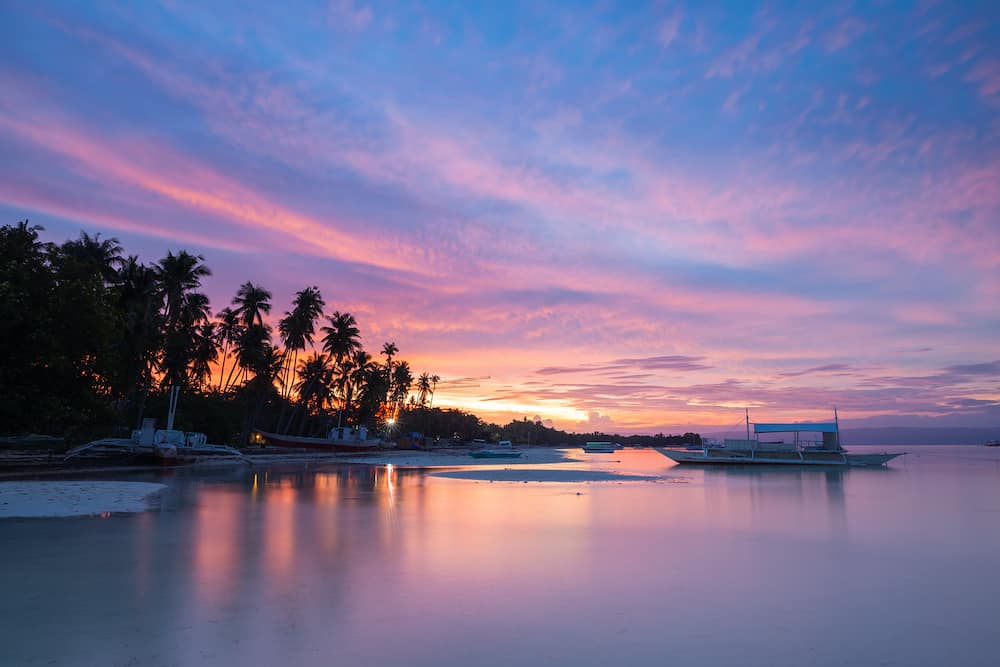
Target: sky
[(618, 216)]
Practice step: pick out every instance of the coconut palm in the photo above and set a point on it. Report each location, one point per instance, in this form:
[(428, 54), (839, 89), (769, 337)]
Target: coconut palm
[(179, 275), (342, 337), (298, 327), (230, 330), (315, 381), (252, 303), (423, 389), (205, 353), (253, 348), (402, 380), (139, 305), (183, 310), (351, 374), (104, 256)]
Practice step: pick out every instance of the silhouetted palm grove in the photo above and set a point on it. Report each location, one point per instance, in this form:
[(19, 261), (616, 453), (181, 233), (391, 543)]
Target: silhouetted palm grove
[(94, 339)]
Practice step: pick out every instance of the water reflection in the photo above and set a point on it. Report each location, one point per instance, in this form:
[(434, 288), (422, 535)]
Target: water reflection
[(380, 565)]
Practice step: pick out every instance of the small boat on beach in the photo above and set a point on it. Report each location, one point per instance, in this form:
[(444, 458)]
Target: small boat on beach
[(495, 454), (600, 447), (503, 450), (799, 452), (339, 439)]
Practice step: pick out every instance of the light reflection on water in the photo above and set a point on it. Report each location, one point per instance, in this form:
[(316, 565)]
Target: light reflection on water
[(381, 565)]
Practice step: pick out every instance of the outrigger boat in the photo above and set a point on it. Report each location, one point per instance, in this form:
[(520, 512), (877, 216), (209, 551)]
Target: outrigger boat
[(157, 446), (600, 447), (799, 452), (505, 450)]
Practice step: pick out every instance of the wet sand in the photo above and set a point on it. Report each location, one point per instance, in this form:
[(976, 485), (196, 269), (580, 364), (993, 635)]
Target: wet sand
[(29, 500)]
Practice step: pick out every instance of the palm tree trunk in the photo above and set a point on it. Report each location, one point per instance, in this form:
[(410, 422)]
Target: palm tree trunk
[(222, 367)]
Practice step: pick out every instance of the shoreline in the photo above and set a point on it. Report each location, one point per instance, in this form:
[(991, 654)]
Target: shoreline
[(43, 465)]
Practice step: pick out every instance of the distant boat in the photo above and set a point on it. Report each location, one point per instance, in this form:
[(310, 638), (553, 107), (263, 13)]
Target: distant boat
[(503, 450), (600, 447), (495, 454), (337, 440), (993, 443), (799, 452)]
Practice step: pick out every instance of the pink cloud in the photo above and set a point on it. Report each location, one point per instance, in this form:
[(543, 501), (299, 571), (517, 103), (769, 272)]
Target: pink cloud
[(670, 28), (844, 33), (986, 75), (346, 13)]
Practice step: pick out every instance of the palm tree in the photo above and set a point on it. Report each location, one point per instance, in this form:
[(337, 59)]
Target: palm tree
[(265, 362), (402, 380), (389, 350), (423, 389), (351, 374), (298, 327), (179, 275), (205, 353), (230, 331), (342, 337), (139, 305), (315, 384), (253, 348), (183, 310), (105, 256), (252, 303)]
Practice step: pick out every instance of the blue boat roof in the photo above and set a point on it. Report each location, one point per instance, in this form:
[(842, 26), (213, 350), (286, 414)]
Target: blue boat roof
[(812, 427)]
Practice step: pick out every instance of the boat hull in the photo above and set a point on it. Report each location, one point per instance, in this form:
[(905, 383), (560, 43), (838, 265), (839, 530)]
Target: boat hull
[(324, 444), (495, 455), (722, 457)]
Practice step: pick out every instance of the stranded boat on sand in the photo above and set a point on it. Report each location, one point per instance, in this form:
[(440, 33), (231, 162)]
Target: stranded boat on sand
[(339, 439), (600, 447), (800, 452)]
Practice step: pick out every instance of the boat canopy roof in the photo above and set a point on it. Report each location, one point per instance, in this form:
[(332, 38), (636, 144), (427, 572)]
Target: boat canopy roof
[(812, 427)]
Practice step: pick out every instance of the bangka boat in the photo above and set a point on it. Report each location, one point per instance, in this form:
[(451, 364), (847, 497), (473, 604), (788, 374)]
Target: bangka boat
[(337, 440), (799, 452), (503, 450), (156, 446), (495, 454), (600, 447)]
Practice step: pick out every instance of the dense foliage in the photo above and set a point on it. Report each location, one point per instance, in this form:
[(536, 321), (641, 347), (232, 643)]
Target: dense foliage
[(94, 339)]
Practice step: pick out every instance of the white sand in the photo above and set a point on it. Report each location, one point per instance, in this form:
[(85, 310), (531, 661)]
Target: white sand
[(69, 498), (543, 475)]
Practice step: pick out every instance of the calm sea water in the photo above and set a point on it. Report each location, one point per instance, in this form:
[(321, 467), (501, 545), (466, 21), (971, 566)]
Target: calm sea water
[(358, 565)]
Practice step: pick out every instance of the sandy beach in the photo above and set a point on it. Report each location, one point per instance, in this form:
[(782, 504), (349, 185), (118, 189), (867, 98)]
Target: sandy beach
[(28, 500)]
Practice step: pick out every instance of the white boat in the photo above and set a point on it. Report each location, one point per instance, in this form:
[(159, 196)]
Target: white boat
[(152, 445), (600, 447), (799, 451)]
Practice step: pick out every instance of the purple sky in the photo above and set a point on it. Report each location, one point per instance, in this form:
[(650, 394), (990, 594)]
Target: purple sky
[(629, 217)]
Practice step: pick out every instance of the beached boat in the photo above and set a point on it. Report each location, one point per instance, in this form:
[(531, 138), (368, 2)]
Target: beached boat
[(600, 447), (799, 451), (503, 450), (337, 440), (150, 445), (993, 443), (495, 454)]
